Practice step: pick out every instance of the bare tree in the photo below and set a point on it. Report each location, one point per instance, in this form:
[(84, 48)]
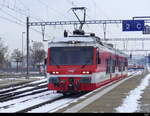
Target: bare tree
[(3, 53), (16, 56), (37, 53)]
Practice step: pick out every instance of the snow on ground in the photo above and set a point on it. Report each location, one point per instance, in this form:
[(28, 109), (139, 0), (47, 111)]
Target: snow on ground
[(24, 102), (39, 77), (21, 103), (23, 78), (53, 106), (42, 79), (23, 89), (135, 72), (131, 102)]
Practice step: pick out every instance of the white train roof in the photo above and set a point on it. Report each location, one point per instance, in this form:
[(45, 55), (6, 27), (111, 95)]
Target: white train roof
[(83, 41), (73, 38)]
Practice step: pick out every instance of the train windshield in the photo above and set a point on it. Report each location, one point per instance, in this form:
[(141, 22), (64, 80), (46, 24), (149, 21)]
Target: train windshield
[(71, 55)]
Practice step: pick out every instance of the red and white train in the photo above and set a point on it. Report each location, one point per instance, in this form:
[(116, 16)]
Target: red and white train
[(82, 62)]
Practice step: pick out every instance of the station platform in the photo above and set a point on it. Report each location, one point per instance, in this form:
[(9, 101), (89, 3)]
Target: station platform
[(107, 102)]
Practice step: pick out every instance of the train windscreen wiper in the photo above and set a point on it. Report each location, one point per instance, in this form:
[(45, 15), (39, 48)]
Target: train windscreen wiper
[(86, 63)]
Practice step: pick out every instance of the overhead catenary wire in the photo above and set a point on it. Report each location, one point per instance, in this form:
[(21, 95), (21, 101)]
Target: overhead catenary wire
[(23, 25), (16, 20), (72, 3), (20, 1), (2, 5), (21, 12), (12, 16), (10, 20), (48, 6), (104, 13), (52, 9)]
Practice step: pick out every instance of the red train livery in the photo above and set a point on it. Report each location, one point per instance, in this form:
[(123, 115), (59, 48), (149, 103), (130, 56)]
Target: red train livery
[(82, 62)]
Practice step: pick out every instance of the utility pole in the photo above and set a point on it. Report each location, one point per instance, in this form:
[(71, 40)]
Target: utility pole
[(27, 47), (22, 50)]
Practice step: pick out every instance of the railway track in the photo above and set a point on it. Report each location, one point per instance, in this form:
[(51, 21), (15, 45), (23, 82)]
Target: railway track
[(39, 105), (59, 106), (50, 102), (29, 102), (42, 100), (15, 75), (64, 101), (19, 87), (8, 104), (12, 96), (22, 91)]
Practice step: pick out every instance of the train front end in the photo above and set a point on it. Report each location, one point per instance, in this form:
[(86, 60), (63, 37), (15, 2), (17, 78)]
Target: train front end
[(70, 67)]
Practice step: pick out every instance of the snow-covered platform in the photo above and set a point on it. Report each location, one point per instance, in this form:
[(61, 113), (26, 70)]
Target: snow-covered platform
[(130, 96)]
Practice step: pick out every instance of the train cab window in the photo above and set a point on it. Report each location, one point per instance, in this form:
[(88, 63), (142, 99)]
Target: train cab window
[(71, 55)]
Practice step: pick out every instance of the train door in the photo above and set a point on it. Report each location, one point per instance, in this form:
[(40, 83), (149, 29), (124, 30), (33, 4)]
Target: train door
[(109, 67), (121, 66)]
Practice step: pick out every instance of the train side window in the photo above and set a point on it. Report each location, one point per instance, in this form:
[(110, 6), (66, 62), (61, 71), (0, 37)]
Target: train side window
[(124, 65), (98, 59), (117, 61), (126, 62), (107, 66), (113, 66), (119, 65)]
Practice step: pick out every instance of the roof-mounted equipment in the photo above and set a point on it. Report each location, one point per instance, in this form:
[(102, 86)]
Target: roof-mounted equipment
[(78, 32)]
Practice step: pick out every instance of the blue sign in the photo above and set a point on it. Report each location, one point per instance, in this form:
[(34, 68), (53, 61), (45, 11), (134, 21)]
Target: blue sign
[(133, 25)]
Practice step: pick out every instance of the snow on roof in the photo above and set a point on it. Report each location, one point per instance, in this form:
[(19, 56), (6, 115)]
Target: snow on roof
[(74, 38)]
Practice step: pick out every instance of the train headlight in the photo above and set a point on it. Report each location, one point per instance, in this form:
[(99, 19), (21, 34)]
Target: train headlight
[(55, 72), (85, 72)]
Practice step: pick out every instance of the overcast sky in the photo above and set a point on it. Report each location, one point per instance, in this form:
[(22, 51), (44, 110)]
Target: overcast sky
[(13, 17)]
